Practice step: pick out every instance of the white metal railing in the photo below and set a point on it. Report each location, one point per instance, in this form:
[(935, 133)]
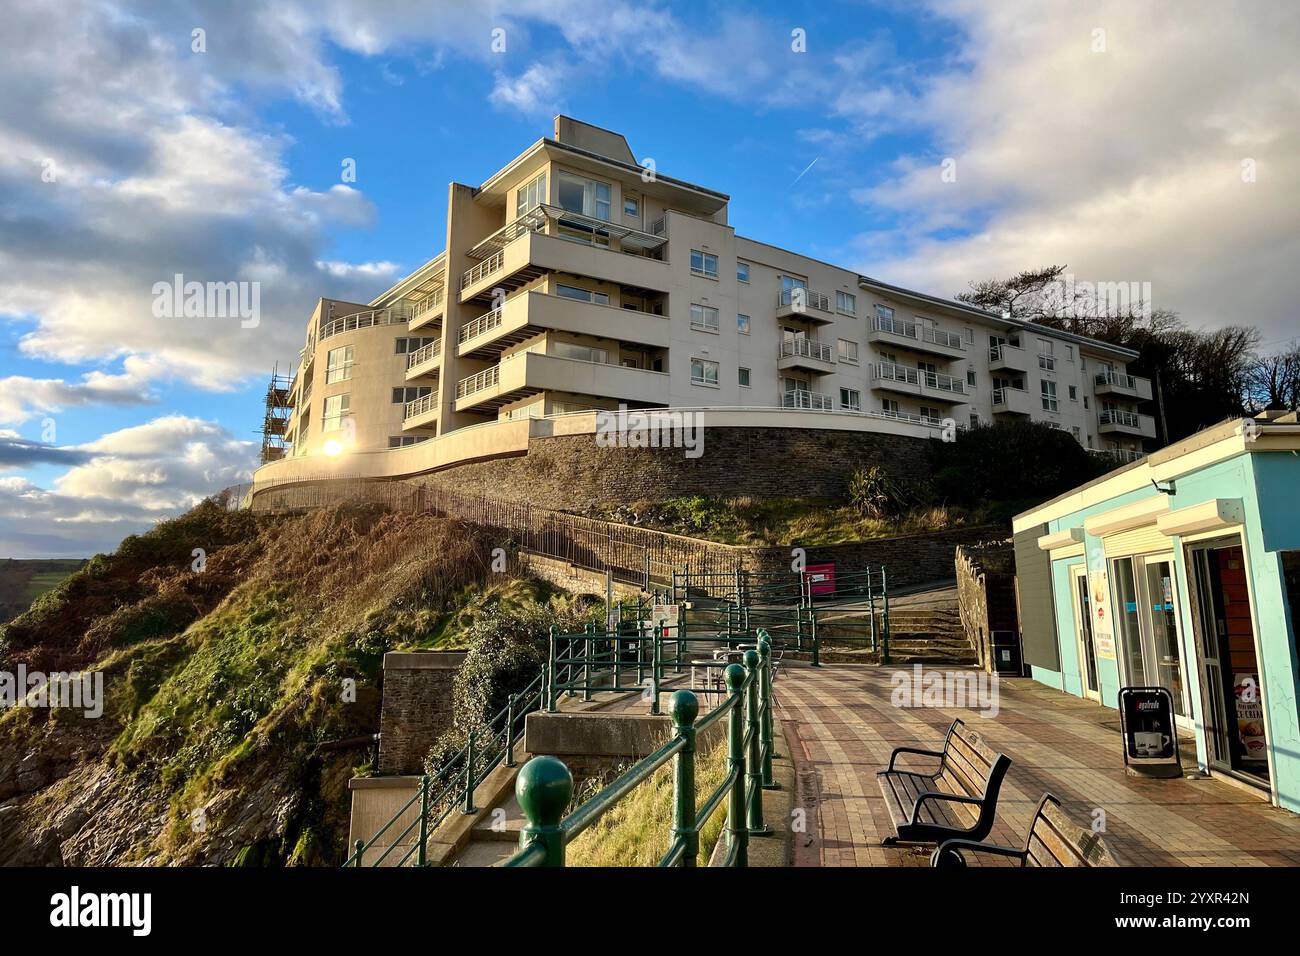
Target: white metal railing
[(484, 269), (896, 327), (919, 332), (424, 354), (803, 299), (429, 303), (920, 377), (531, 221), (898, 373), (1125, 455), (659, 227), (807, 348), (484, 323), (943, 383), (1001, 398), (803, 398), (914, 419), (421, 405), (1118, 379), (939, 337), (362, 320), (1117, 416), (478, 381)]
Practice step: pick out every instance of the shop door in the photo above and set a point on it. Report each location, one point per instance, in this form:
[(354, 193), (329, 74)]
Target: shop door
[(1083, 633), (1230, 686), (1146, 611)]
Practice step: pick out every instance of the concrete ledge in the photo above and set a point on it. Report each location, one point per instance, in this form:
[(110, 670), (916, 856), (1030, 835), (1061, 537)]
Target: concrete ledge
[(423, 660), (594, 734), (384, 783)]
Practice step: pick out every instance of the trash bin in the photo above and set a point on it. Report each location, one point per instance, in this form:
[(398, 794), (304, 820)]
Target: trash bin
[(1007, 657)]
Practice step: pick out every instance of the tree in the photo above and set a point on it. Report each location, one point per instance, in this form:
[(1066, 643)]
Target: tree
[(1273, 381)]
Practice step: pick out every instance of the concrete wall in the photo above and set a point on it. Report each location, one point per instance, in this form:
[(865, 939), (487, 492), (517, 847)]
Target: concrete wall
[(417, 706)]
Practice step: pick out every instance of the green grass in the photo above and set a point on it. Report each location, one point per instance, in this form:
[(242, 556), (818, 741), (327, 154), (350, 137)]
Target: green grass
[(636, 831)]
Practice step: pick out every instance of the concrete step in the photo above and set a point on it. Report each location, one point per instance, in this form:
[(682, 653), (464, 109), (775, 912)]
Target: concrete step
[(485, 853), (502, 827)]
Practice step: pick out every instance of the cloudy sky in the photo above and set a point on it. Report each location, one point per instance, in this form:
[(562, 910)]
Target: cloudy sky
[(1155, 142)]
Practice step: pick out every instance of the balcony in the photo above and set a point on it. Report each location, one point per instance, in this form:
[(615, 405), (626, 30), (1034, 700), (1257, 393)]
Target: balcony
[(804, 304), (528, 373), (1118, 421), (526, 314), (808, 400), (912, 418), (915, 336), (1012, 402), (1122, 385), (1124, 455), (918, 383), (424, 363), (421, 413), (1007, 358), (532, 244), (429, 310), (806, 354)]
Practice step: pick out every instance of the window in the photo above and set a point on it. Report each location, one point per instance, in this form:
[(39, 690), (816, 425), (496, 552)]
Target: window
[(743, 376), (1049, 396), (850, 400), (565, 408), (402, 441), (1085, 402), (890, 407), (632, 207), (1047, 363), (1078, 434), (1069, 353), (337, 408), (1074, 393), (586, 196), (742, 323), (970, 335), (974, 420), (704, 318), (846, 303), (534, 194), (884, 313), (933, 414), (848, 351), (742, 271), (582, 295), (406, 345), (579, 353), (338, 365), (704, 372), (970, 377), (409, 394), (704, 264)]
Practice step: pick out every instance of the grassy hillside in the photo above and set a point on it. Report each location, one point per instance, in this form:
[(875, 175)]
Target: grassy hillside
[(225, 686), (22, 581)]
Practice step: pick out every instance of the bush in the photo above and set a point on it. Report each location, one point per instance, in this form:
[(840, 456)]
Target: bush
[(1010, 461), (873, 493)]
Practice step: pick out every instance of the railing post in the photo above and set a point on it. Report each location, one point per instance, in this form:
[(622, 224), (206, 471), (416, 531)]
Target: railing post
[(816, 642), (655, 663), (544, 788), (754, 758), (685, 707), (587, 647), (737, 829), (510, 730), (551, 704), (765, 717), (424, 820), (469, 775), (884, 593), (871, 603), (360, 846)]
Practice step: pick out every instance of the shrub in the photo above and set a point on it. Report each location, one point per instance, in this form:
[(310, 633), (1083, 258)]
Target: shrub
[(873, 493)]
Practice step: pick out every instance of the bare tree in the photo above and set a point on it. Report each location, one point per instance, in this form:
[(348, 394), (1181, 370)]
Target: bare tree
[(1273, 381)]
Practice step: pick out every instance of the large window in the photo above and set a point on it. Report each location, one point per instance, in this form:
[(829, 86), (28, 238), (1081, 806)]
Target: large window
[(581, 353), (405, 441), (742, 323), (846, 303), (410, 393), (742, 271), (704, 264), (338, 365), (1049, 396), (704, 372), (848, 351), (584, 295), (704, 318), (337, 408), (534, 194), (743, 377), (585, 196), (407, 345)]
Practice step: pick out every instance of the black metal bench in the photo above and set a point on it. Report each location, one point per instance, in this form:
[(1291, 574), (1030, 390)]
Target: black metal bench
[(956, 801), (1053, 840)]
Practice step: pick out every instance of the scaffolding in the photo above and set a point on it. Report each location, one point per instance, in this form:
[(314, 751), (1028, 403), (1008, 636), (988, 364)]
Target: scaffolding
[(275, 424)]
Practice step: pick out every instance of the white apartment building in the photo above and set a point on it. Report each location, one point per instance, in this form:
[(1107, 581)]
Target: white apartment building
[(573, 279)]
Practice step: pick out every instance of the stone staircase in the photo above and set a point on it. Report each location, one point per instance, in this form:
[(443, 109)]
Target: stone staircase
[(495, 836), (929, 631)]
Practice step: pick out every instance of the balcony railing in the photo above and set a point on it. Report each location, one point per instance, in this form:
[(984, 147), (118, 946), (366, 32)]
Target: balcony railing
[(1122, 454), (914, 330), (484, 269), (483, 324), (802, 398), (424, 354), (807, 348), (1117, 416), (479, 381), (429, 303), (995, 351), (1000, 396), (920, 377), (421, 405), (803, 299), (364, 320), (1118, 379), (914, 419)]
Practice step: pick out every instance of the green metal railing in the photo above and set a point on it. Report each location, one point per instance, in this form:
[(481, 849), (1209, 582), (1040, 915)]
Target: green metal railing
[(453, 785), (544, 786)]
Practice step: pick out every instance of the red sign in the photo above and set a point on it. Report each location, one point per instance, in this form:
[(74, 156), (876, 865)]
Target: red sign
[(820, 578)]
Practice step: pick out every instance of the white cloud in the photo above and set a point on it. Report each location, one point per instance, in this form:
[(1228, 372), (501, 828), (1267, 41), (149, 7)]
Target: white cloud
[(126, 481), (537, 90), (22, 398)]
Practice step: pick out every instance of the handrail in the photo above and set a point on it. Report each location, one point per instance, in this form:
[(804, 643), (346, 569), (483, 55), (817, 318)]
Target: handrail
[(544, 787), (478, 381), (424, 354), (801, 299), (476, 327), (1118, 416), (806, 347), (1117, 378), (420, 405), (803, 398), (429, 303)]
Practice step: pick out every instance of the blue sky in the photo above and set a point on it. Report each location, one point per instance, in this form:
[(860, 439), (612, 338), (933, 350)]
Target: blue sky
[(1092, 134)]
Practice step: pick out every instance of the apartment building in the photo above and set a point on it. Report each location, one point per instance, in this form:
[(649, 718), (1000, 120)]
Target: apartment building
[(573, 279)]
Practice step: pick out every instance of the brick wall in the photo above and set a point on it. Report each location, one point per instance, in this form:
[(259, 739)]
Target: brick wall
[(986, 594), (417, 706), (573, 473)]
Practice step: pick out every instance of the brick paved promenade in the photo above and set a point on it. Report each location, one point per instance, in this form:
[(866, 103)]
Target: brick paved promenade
[(842, 728)]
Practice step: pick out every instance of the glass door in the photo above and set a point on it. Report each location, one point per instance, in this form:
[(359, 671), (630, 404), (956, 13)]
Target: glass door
[(1146, 611), (1083, 632)]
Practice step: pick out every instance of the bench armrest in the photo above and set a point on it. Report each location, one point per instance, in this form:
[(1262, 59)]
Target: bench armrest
[(911, 750), (935, 795), (946, 854)]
